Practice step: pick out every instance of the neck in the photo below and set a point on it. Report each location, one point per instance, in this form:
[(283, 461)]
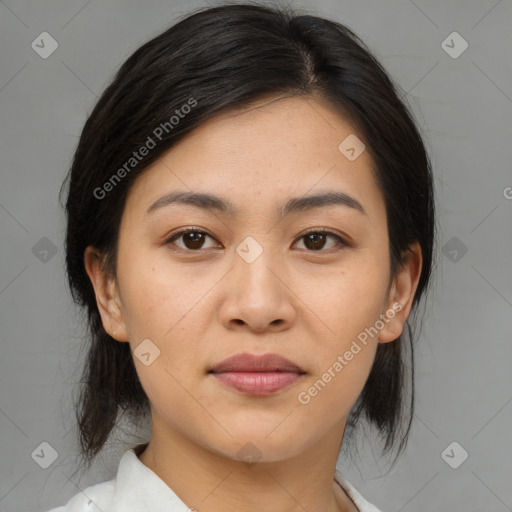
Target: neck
[(222, 484)]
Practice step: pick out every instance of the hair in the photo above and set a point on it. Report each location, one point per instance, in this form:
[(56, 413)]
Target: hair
[(215, 60)]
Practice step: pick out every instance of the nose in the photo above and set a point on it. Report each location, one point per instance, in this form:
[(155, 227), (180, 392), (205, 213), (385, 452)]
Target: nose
[(256, 296)]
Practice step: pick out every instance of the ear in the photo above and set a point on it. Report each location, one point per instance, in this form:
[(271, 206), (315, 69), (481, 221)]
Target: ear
[(107, 295), (401, 295)]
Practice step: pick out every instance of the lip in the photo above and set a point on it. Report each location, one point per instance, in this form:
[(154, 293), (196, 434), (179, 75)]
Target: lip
[(256, 363), (257, 374)]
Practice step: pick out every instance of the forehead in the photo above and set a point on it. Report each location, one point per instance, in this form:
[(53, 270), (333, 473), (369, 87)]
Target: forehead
[(264, 153)]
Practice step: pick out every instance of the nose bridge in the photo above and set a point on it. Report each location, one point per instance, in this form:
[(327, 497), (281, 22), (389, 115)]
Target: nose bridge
[(257, 295), (255, 264)]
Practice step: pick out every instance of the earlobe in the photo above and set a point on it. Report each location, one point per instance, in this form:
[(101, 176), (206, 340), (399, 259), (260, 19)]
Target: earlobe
[(401, 295), (107, 296)]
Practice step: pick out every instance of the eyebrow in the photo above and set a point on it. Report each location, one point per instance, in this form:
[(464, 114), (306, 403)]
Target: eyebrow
[(293, 205)]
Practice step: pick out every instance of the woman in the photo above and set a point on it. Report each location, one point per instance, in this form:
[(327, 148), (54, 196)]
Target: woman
[(250, 225)]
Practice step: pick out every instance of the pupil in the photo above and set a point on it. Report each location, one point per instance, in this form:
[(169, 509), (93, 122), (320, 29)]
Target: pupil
[(318, 240), (195, 238)]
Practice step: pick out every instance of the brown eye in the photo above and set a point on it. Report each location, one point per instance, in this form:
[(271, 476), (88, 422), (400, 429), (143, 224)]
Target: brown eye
[(316, 240), (193, 239)]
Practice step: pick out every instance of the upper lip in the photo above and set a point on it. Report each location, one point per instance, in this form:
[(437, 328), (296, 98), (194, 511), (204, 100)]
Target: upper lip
[(256, 363)]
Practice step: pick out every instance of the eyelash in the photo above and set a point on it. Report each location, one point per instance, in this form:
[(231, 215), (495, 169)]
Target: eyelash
[(321, 231)]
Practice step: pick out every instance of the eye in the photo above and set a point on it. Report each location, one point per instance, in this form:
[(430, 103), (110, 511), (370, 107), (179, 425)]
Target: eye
[(193, 239), (315, 239)]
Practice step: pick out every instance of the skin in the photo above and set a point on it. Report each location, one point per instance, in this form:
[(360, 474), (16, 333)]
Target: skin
[(200, 306)]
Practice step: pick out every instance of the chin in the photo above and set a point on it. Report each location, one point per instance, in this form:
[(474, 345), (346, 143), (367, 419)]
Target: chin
[(260, 448)]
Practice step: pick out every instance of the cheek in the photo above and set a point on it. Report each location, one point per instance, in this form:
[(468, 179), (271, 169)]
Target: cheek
[(144, 298), (331, 395), (350, 306), (350, 301), (344, 354), (151, 294), (157, 305), (165, 304)]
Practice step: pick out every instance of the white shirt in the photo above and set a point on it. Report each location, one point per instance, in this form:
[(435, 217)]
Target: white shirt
[(136, 488)]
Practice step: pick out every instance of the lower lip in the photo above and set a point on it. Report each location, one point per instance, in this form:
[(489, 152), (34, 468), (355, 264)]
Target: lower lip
[(258, 383)]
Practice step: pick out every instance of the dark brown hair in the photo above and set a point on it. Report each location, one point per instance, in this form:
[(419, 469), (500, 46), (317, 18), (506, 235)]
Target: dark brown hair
[(222, 58)]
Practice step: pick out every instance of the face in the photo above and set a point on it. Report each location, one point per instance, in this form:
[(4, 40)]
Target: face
[(310, 284)]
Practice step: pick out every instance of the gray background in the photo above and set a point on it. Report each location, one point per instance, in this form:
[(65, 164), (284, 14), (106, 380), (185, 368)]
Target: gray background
[(464, 105)]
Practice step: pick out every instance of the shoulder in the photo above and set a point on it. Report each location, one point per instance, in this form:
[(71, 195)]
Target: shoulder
[(96, 498), (120, 493), (362, 504)]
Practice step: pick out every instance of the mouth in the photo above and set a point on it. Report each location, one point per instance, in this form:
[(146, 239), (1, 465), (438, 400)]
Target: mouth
[(257, 375)]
